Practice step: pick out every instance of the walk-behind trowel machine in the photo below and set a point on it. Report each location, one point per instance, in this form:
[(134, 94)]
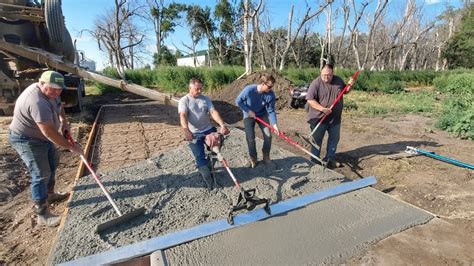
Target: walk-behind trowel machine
[(247, 199)]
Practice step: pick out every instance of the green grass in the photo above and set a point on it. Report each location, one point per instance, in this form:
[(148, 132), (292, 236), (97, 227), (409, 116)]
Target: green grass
[(375, 93), (93, 90), (376, 104)]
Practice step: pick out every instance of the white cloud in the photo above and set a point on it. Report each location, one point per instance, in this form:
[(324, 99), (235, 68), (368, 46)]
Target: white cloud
[(432, 2)]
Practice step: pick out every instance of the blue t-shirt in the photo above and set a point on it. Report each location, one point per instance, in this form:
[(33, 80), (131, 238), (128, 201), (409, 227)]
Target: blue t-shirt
[(260, 103)]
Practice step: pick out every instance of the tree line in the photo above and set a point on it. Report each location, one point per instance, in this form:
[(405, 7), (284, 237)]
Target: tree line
[(371, 34)]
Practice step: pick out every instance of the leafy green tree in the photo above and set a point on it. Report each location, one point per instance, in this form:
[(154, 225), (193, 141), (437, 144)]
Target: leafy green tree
[(165, 19), (460, 48), (228, 24), (198, 20), (165, 57)]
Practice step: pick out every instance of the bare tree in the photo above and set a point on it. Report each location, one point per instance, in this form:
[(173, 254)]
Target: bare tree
[(290, 39), (376, 18), (117, 34), (354, 40), (248, 17), (346, 11)]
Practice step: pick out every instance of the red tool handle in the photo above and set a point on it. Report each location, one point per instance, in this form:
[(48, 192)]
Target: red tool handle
[(339, 96), (71, 140), (289, 140)]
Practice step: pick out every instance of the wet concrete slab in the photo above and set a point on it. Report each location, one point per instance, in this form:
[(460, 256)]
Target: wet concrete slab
[(327, 232)]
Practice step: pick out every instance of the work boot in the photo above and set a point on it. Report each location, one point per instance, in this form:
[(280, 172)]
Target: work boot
[(44, 217), (57, 196), (252, 163), (206, 176), (332, 164), (266, 158)]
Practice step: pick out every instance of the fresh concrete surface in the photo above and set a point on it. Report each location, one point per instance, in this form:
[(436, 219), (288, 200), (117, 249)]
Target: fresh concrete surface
[(175, 197), (326, 232)]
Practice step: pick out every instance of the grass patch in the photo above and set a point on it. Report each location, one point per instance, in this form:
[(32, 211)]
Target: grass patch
[(94, 90), (376, 104)]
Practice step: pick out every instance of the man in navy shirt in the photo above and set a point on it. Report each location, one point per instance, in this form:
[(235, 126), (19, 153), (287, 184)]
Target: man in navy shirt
[(258, 100)]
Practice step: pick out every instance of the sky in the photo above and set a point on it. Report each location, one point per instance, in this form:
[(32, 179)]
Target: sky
[(81, 14)]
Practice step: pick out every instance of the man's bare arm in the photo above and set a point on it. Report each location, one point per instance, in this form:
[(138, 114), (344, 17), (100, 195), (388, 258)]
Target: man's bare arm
[(183, 119), (50, 132)]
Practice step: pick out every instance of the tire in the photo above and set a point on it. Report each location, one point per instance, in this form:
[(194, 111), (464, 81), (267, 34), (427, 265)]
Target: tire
[(64, 48), (54, 20), (77, 82), (294, 104)]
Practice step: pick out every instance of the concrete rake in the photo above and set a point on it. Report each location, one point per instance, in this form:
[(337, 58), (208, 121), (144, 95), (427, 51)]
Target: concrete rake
[(122, 217), (247, 199)]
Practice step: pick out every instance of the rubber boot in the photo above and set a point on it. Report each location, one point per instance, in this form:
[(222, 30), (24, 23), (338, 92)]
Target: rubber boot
[(45, 217), (206, 176), (266, 158)]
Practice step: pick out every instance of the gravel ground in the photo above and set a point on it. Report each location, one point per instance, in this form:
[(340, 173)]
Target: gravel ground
[(175, 197)]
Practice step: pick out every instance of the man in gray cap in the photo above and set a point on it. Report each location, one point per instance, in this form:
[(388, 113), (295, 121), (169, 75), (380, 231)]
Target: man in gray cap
[(38, 119)]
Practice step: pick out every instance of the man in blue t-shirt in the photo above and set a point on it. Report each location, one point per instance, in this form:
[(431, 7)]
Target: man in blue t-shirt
[(194, 110), (258, 100)]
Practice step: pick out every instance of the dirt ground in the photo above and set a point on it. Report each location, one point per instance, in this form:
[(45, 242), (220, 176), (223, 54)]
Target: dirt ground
[(443, 189)]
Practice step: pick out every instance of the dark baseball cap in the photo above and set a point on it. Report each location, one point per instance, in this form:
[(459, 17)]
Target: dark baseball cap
[(53, 79)]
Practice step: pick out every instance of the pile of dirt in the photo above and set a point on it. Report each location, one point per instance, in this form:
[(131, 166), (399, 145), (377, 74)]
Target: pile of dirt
[(231, 91)]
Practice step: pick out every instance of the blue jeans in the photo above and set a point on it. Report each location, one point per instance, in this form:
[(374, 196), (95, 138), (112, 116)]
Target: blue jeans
[(249, 124), (197, 147), (333, 138), (41, 159)]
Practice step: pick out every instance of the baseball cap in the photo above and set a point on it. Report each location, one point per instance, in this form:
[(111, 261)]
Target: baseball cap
[(53, 78)]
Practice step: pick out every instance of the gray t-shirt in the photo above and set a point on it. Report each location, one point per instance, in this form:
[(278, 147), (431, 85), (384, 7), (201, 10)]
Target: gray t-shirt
[(198, 110), (32, 107), (325, 94)]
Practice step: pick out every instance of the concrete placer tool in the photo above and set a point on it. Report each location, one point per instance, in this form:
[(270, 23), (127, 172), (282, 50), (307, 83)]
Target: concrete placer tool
[(247, 199), (122, 217)]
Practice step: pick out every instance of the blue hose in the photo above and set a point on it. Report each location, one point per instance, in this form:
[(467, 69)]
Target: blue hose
[(442, 158)]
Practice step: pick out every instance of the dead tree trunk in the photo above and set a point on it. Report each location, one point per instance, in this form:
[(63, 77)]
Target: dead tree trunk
[(291, 39), (248, 40)]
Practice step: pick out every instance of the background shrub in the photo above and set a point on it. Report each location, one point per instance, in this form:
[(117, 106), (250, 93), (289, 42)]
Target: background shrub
[(458, 106)]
